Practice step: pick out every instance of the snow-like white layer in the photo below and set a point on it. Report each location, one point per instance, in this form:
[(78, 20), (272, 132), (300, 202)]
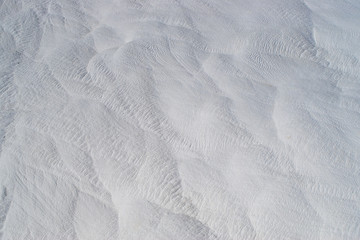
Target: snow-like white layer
[(179, 119)]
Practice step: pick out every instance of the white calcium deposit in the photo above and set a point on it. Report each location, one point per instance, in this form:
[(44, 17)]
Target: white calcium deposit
[(179, 119)]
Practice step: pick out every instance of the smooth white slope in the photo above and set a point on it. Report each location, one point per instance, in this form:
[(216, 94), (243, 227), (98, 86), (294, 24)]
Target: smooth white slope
[(181, 119)]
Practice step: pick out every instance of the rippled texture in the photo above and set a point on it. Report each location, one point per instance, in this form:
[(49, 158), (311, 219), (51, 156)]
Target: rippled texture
[(183, 119)]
